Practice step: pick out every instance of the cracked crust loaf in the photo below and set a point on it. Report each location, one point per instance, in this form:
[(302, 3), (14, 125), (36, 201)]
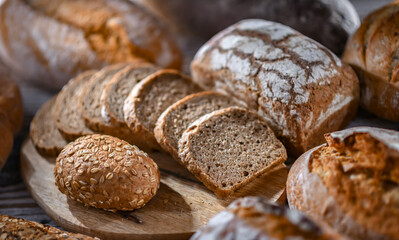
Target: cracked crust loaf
[(176, 118), (11, 102), (373, 53), (44, 132), (67, 110), (256, 218), (228, 148), (150, 97), (106, 172), (301, 88), (86, 34), (350, 184), (12, 228), (6, 138)]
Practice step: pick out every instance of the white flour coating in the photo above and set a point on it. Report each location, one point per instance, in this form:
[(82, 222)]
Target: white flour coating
[(337, 104), (275, 31)]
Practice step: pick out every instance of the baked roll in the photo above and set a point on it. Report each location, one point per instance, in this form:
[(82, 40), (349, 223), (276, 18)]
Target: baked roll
[(350, 184)]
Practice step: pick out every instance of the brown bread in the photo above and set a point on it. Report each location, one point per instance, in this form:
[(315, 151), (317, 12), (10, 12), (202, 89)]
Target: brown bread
[(6, 138), (301, 88), (149, 98), (373, 53), (351, 183), (67, 111), (44, 132), (11, 102), (176, 118), (228, 148)]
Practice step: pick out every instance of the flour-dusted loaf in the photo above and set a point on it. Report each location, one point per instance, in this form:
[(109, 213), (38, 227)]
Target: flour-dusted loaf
[(12, 228), (50, 41), (44, 132), (67, 110), (176, 118), (257, 219), (301, 88), (90, 99), (150, 97), (350, 184), (6, 138), (373, 53), (11, 102), (105, 172), (228, 148)]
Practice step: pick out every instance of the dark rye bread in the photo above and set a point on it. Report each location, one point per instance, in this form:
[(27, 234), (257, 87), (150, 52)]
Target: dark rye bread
[(67, 112), (91, 96), (228, 148), (149, 98), (44, 133), (176, 119)]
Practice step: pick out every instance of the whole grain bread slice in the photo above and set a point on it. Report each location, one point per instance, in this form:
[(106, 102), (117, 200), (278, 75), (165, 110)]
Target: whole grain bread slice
[(91, 96), (44, 132), (149, 98), (175, 120), (67, 113), (228, 148)]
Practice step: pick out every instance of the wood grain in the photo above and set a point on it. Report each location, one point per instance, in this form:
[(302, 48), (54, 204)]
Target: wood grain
[(181, 206)]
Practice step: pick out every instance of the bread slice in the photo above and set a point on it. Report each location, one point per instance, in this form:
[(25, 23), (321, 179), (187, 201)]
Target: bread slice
[(175, 120), (149, 98), (44, 132), (228, 148), (67, 113), (91, 96)]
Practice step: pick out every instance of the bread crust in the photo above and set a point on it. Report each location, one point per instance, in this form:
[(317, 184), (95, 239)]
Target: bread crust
[(86, 34), (373, 53), (307, 192), (6, 138), (11, 102)]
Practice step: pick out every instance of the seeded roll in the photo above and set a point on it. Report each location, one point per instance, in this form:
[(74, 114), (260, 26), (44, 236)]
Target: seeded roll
[(105, 172)]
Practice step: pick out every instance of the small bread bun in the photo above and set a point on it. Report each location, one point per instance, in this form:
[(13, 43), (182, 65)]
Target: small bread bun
[(105, 172)]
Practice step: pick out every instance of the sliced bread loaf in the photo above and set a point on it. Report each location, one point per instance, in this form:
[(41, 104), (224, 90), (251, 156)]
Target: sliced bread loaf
[(149, 98), (90, 98), (67, 113), (44, 132), (228, 148), (175, 120)]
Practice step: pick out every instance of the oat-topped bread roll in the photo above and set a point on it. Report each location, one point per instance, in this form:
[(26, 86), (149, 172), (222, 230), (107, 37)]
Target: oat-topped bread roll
[(229, 148), (301, 88), (177, 117), (254, 218), (11, 102), (50, 41), (351, 183), (44, 132), (373, 53), (12, 228), (150, 97), (329, 22), (106, 172)]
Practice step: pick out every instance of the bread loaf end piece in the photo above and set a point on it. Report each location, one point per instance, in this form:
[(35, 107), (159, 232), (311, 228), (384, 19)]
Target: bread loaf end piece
[(228, 148), (301, 88)]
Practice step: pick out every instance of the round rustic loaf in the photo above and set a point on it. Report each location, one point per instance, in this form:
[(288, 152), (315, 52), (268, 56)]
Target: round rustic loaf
[(11, 102), (6, 138), (50, 41), (350, 184), (301, 88), (329, 22), (105, 172), (256, 218), (373, 53)]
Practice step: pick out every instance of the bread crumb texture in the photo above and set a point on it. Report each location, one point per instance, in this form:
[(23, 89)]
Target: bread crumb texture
[(105, 172)]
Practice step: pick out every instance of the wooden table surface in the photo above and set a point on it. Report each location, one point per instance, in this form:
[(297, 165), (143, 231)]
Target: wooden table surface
[(15, 200)]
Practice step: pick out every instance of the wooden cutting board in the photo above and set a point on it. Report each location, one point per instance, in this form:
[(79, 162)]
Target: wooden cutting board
[(181, 206)]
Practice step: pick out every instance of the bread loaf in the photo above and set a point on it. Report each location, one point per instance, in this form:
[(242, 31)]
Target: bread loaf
[(11, 102), (12, 228), (44, 132), (6, 138), (351, 183), (50, 41), (300, 87), (256, 218), (373, 53), (105, 172), (228, 148)]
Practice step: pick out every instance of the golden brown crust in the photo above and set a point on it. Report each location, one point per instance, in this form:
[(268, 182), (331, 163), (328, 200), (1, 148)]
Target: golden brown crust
[(11, 102), (16, 228), (373, 53), (6, 138), (105, 172)]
